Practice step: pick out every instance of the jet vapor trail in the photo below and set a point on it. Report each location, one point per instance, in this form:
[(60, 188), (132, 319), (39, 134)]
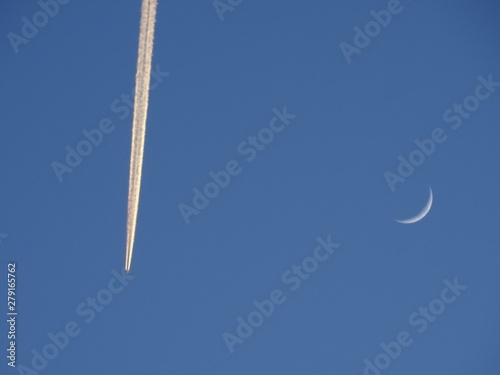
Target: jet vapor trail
[(142, 80)]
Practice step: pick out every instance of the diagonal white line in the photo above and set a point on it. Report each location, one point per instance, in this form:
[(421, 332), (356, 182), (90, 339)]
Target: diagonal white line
[(142, 80)]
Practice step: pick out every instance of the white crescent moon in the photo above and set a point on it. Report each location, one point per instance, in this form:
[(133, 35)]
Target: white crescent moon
[(422, 213)]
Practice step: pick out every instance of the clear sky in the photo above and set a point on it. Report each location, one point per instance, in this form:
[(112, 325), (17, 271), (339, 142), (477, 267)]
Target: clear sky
[(329, 111)]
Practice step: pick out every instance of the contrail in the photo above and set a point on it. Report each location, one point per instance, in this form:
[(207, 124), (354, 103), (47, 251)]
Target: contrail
[(142, 80)]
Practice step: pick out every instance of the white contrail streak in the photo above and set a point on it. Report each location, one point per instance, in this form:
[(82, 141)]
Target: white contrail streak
[(142, 80)]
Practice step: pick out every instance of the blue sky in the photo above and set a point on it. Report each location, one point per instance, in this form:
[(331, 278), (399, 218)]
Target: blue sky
[(218, 82)]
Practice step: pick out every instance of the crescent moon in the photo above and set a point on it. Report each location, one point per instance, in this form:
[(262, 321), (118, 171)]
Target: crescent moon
[(421, 214)]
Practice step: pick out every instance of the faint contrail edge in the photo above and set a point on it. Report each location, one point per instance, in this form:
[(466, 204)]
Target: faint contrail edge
[(142, 80)]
